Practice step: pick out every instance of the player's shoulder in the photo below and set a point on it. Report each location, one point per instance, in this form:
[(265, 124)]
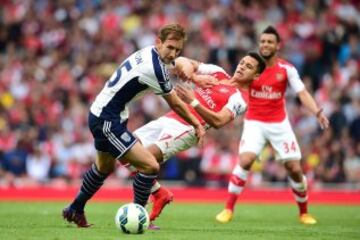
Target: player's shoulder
[(284, 63), (149, 60), (220, 75), (239, 101), (235, 93), (209, 68), (147, 53)]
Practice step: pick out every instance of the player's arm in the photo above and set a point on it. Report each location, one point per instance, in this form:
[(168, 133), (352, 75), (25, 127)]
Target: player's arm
[(214, 119), (306, 99), (187, 69), (181, 109)]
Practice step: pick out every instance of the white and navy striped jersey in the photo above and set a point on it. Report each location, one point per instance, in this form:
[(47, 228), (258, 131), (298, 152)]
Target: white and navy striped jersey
[(139, 73)]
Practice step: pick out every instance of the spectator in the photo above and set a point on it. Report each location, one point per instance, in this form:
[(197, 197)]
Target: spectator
[(61, 60)]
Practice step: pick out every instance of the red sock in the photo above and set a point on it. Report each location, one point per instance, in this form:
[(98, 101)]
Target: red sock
[(231, 201), (235, 182), (302, 207), (302, 204)]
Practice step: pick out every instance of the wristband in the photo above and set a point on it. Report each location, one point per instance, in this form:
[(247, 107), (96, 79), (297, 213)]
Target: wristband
[(194, 103), (319, 112)]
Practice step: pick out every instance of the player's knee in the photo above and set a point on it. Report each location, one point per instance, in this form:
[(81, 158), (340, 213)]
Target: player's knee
[(155, 167), (246, 161), (295, 171), (105, 168), (294, 168), (151, 167)]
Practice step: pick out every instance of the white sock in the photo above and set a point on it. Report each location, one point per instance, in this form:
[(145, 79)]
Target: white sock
[(299, 187), (155, 187), (238, 173)]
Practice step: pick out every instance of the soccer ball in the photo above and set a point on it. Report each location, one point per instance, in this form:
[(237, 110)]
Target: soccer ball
[(132, 218)]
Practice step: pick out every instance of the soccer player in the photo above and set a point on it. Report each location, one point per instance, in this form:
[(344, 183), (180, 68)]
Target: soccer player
[(144, 70), (214, 107), (266, 121)]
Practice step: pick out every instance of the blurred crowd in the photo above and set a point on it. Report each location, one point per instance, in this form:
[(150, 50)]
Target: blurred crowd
[(55, 56)]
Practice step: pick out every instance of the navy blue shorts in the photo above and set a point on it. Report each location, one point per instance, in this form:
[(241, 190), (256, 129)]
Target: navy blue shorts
[(111, 136)]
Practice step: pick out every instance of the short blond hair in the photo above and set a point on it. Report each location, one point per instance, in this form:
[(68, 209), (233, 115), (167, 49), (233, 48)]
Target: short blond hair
[(172, 31)]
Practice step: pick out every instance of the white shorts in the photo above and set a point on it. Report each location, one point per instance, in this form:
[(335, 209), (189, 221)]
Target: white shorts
[(280, 135), (170, 135)]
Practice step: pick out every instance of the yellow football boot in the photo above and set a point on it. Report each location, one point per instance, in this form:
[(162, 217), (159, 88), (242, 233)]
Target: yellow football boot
[(224, 216), (307, 219)]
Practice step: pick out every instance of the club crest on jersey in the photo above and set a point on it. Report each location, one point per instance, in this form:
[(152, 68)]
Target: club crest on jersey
[(279, 76), (167, 86), (126, 137)]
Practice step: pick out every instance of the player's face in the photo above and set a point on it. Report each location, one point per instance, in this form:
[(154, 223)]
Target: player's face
[(246, 70), (268, 45), (169, 49)]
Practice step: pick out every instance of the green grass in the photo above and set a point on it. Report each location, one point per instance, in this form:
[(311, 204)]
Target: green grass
[(29, 220)]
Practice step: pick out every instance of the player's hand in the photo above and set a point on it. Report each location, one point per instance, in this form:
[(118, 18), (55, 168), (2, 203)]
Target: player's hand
[(323, 120), (204, 81), (200, 133), (184, 93)]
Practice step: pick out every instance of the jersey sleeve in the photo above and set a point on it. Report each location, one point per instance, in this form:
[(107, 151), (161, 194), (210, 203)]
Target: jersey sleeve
[(236, 104), (294, 79), (207, 69)]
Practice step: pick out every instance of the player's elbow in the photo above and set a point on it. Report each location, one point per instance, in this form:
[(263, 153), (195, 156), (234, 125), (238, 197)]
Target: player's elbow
[(216, 123), (302, 93)]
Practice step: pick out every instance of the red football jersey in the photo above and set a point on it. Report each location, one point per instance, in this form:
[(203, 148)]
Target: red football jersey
[(267, 93), (215, 98)]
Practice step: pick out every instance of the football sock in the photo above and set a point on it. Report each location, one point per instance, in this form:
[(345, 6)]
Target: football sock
[(92, 181), (155, 187), (300, 193), (236, 186), (142, 186)]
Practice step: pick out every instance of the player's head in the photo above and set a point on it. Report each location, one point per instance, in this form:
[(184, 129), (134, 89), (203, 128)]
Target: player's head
[(170, 42), (269, 42), (249, 67)]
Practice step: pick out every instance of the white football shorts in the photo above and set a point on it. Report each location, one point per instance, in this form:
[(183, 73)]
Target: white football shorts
[(170, 135), (280, 135)]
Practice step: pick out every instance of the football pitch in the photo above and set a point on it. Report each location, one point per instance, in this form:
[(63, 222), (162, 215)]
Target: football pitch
[(187, 221)]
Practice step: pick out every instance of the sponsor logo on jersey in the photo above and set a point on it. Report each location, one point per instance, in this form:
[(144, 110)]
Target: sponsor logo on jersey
[(265, 95), (206, 96), (126, 137)]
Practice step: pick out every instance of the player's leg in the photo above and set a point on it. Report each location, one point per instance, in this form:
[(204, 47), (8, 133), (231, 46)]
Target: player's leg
[(148, 169), (92, 181), (94, 178), (164, 138), (236, 185), (239, 178), (299, 188), (251, 144), (161, 196), (283, 140), (149, 134)]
